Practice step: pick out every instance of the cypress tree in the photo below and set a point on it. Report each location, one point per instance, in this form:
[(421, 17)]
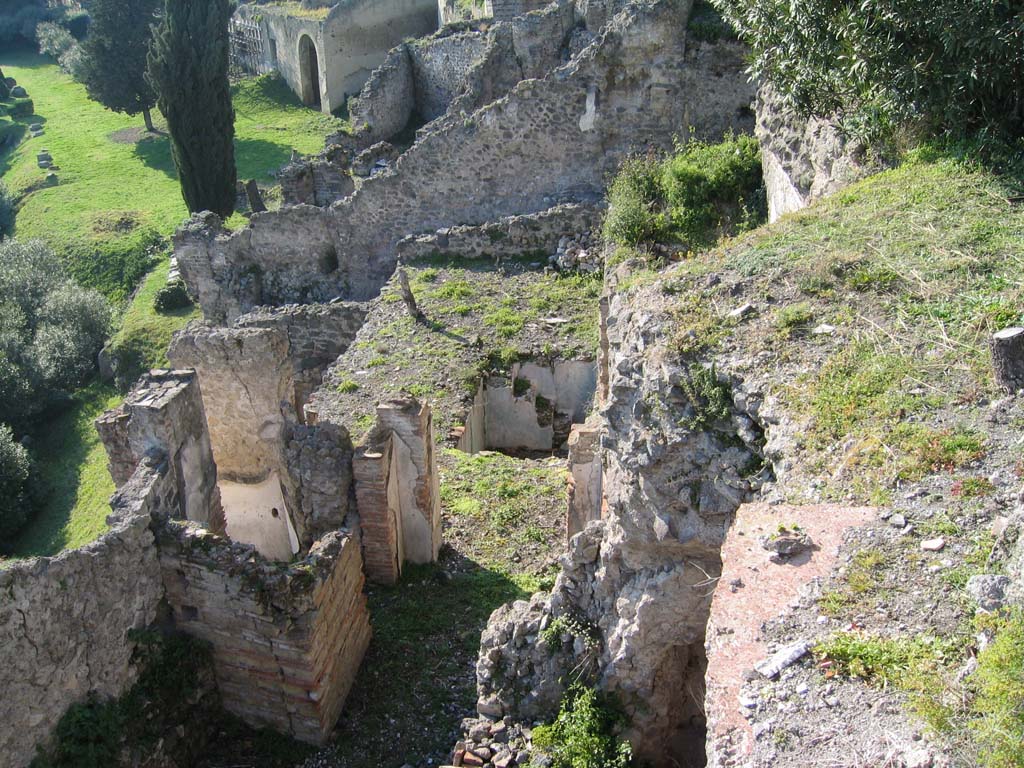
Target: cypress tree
[(113, 56), (188, 68)]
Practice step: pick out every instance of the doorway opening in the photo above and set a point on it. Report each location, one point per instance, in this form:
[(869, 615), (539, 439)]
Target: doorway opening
[(309, 71)]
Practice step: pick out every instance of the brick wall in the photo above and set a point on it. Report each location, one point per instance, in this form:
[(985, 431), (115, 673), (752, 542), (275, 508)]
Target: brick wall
[(287, 640)]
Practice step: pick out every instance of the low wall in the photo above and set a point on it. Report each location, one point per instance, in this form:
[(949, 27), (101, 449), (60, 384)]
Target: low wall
[(65, 620), (287, 640), (513, 236)]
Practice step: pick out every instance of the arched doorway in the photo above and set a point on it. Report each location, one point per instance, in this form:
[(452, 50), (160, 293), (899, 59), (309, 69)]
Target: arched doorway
[(309, 71)]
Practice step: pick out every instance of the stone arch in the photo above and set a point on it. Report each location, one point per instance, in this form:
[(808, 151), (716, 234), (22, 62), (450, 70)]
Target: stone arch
[(309, 72)]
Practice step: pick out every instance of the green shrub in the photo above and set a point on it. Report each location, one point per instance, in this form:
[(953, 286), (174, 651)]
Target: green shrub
[(583, 734), (6, 212), (172, 296), (714, 189), (99, 733), (697, 195), (15, 471), (50, 330), (56, 41), (633, 203), (955, 65)]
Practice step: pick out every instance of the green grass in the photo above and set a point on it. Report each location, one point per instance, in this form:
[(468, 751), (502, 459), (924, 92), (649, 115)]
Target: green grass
[(413, 686), (997, 721), (73, 476), (140, 342), (115, 200), (884, 661)]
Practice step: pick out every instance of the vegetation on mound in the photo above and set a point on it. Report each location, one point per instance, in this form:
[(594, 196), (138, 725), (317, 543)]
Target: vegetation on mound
[(914, 268), (509, 506), (981, 713), (693, 198), (479, 317)]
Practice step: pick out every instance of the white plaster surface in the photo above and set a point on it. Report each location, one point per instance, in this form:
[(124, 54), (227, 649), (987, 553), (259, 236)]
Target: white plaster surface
[(247, 510)]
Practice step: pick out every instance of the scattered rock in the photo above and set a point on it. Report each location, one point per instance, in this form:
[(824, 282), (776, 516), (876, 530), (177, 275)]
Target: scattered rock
[(933, 545), (988, 591), (784, 657)]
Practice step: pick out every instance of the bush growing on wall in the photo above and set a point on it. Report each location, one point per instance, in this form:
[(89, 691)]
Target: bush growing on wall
[(15, 471), (694, 197), (50, 331)]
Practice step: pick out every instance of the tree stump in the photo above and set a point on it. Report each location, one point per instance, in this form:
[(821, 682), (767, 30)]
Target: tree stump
[(1008, 359), (407, 297), (252, 191)]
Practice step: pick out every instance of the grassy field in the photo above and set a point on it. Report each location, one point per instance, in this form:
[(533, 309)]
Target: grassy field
[(118, 195), (116, 203)]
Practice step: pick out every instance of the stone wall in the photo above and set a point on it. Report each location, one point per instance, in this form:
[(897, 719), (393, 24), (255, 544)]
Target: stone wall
[(548, 141), (164, 414), (283, 484), (641, 576), (439, 68), (537, 233), (257, 375), (504, 10), (287, 640), (349, 42), (387, 101), (803, 159), (460, 72), (316, 181), (65, 620)]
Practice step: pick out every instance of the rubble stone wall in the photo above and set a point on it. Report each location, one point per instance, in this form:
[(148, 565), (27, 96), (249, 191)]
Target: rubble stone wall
[(548, 141), (287, 640), (439, 68), (641, 577), (803, 159), (510, 236), (65, 620), (315, 181), (164, 414)]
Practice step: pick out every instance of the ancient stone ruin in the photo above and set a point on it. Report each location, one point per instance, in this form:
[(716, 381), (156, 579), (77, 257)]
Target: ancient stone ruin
[(285, 458)]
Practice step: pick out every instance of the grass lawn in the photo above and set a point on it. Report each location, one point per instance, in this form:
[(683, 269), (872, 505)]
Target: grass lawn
[(116, 203), (117, 195), (73, 478)]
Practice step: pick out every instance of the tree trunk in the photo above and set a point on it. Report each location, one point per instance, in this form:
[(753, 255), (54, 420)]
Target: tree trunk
[(149, 120), (252, 192), (1008, 359), (407, 297)]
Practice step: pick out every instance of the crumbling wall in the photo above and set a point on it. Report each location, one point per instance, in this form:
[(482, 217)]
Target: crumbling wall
[(504, 10), (642, 577), (803, 158), (548, 141), (283, 484), (316, 180), (439, 68), (65, 621), (537, 233), (164, 414), (287, 641), (387, 100), (397, 489)]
